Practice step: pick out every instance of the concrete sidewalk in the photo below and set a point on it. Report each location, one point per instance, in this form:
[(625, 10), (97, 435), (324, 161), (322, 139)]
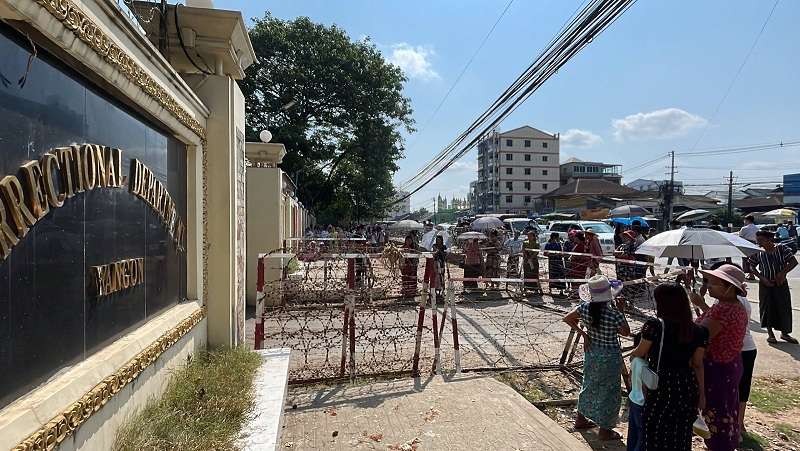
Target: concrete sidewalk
[(466, 412)]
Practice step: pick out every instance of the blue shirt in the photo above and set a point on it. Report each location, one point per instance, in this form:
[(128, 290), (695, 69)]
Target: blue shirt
[(637, 393), (783, 233)]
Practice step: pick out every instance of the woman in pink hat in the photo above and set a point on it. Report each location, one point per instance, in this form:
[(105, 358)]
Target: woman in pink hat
[(726, 322)]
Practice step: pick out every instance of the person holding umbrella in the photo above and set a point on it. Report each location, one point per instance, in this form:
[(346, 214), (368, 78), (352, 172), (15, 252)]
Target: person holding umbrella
[(493, 247), (770, 266)]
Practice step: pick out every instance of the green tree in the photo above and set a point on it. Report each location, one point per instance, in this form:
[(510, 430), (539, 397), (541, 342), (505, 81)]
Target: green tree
[(337, 105)]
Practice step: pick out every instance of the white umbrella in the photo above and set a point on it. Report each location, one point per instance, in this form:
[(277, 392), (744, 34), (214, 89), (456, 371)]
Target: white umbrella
[(471, 236), (430, 237), (406, 224), (626, 211), (697, 244), (486, 223), (693, 215)]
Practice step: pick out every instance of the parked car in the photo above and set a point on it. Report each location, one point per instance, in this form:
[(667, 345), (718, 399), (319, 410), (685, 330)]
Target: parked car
[(604, 231), (522, 225)]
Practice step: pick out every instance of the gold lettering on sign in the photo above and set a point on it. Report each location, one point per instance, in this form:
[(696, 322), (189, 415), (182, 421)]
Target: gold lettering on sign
[(117, 276), (11, 191), (50, 166), (145, 185), (32, 179)]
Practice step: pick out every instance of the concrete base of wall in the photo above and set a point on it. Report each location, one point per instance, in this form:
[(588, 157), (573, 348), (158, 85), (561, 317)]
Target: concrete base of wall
[(27, 414)]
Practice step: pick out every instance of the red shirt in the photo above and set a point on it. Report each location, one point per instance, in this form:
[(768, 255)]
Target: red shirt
[(727, 344)]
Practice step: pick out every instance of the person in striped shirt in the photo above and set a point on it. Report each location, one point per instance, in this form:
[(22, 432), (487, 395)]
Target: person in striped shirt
[(770, 266)]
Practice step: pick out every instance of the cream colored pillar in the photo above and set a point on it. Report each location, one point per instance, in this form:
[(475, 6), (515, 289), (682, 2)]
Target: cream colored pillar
[(264, 191), (226, 228)]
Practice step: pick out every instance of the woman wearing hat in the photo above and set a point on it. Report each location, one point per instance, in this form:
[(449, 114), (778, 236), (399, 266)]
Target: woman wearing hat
[(726, 322), (599, 399)]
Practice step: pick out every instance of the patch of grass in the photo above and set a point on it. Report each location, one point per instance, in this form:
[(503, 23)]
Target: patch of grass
[(789, 430), (753, 442), (523, 386), (775, 395), (203, 408)]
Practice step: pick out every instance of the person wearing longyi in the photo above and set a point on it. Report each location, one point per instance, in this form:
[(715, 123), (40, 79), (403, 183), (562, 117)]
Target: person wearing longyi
[(726, 322), (599, 398), (770, 266)]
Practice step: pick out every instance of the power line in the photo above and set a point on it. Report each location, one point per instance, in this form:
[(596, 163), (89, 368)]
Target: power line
[(736, 76), (589, 23), (463, 71)]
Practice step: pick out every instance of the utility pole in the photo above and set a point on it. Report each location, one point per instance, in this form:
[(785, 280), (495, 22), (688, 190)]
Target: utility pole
[(434, 210), (730, 201), (670, 191)]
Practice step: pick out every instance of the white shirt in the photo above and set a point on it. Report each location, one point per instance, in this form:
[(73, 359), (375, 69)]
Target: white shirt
[(748, 344), (748, 232)]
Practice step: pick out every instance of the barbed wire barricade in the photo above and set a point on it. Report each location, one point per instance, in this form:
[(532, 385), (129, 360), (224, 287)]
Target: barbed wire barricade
[(381, 311)]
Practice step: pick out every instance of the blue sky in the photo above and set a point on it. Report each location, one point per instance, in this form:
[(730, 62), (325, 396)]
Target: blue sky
[(649, 84)]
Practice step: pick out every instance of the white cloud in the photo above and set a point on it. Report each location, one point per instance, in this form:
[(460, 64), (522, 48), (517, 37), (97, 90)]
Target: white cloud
[(414, 61), (658, 124), (463, 166), (580, 138)]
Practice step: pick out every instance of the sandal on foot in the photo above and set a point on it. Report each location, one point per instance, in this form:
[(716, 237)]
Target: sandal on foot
[(586, 425), (772, 340), (789, 339), (613, 435)]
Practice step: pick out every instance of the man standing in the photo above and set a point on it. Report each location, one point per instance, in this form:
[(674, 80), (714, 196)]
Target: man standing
[(775, 301), (748, 232)]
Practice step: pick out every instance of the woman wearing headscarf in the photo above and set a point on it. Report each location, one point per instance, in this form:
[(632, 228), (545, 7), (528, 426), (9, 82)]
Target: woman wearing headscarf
[(599, 398), (671, 408), (578, 264), (473, 262), (594, 248), (493, 247), (726, 322), (555, 262), (530, 253)]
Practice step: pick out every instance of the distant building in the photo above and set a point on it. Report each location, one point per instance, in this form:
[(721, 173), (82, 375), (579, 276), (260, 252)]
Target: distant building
[(574, 169), (791, 189), (587, 194), (473, 186), (515, 169), (401, 208), (654, 185)]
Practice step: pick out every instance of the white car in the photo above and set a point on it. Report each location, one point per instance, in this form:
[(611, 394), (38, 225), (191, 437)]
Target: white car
[(604, 232)]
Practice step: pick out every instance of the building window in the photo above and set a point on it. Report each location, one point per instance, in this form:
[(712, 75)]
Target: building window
[(527, 199), (544, 157), (510, 186), (544, 144), (528, 186), (509, 143), (527, 171), (509, 171), (509, 199), (544, 171), (509, 157), (527, 157), (527, 143), (544, 185)]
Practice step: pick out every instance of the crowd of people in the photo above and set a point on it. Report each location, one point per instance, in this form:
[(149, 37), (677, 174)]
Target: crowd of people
[(692, 364), (687, 371)]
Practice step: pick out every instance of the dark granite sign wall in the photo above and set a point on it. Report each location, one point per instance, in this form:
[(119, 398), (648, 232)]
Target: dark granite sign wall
[(51, 316)]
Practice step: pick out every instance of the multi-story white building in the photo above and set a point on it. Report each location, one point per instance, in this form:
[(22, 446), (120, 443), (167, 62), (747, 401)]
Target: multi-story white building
[(515, 169)]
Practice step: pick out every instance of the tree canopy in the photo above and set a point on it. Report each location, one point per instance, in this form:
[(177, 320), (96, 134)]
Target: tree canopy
[(337, 105)]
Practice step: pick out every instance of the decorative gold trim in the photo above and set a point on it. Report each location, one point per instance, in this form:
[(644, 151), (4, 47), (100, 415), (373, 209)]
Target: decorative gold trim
[(52, 434), (87, 31)]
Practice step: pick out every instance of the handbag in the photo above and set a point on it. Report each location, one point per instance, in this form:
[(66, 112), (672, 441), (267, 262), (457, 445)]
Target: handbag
[(650, 377)]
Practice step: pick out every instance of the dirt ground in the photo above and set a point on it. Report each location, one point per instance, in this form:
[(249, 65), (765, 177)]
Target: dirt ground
[(773, 413)]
